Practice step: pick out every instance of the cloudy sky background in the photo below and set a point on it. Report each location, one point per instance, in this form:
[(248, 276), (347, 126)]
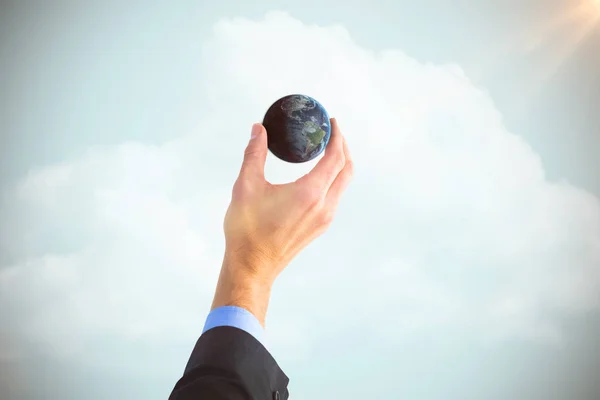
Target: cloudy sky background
[(464, 262)]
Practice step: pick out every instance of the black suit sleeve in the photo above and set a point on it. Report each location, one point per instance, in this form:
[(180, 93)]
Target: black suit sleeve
[(230, 364)]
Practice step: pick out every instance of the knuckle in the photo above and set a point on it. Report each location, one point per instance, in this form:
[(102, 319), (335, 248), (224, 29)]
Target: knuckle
[(241, 187), (252, 149), (241, 183), (350, 167), (326, 217), (311, 197), (339, 162), (252, 153)]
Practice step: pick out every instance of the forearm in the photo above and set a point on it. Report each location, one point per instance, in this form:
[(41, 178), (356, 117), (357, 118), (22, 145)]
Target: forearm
[(238, 288)]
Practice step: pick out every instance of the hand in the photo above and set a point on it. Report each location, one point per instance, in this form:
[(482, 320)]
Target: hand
[(267, 225)]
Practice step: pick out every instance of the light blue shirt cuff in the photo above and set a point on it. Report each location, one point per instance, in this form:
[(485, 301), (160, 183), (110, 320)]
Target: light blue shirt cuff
[(236, 317)]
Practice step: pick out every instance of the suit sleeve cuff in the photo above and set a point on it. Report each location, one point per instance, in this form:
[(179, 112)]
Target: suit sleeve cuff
[(236, 317)]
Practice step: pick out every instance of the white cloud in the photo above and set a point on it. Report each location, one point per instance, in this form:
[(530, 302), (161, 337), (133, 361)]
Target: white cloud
[(449, 220)]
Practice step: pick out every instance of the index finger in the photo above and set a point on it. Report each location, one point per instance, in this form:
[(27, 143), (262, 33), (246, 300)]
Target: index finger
[(330, 165)]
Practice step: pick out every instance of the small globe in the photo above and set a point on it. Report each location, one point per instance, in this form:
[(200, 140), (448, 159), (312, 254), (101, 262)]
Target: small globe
[(298, 128)]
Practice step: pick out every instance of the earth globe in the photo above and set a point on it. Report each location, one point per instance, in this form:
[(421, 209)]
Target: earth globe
[(298, 128)]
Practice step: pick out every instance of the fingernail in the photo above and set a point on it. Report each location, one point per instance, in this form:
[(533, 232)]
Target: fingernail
[(256, 128)]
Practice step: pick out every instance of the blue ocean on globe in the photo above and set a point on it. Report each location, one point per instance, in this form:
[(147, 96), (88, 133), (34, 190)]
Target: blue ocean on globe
[(298, 128)]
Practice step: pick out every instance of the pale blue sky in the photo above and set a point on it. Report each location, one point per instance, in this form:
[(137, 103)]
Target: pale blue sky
[(457, 268)]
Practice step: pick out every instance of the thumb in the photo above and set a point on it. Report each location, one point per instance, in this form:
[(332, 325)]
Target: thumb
[(255, 154)]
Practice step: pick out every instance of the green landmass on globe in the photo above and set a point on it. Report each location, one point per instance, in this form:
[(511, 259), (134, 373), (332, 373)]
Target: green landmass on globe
[(298, 128)]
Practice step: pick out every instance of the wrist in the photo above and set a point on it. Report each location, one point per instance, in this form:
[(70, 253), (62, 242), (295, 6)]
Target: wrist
[(253, 263), (238, 287)]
